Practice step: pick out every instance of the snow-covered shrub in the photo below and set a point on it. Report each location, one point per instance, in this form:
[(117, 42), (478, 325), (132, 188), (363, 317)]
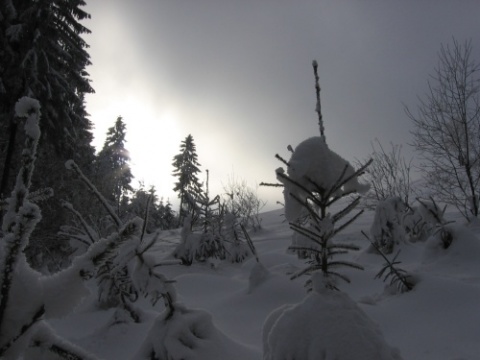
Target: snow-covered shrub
[(387, 228), (189, 244), (198, 245), (326, 325), (234, 237), (201, 234)]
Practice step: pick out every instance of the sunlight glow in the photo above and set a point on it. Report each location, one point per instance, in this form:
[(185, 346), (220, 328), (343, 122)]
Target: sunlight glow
[(153, 137)]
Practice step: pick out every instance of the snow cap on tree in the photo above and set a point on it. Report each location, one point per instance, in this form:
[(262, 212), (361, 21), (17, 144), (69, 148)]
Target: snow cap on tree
[(311, 164)]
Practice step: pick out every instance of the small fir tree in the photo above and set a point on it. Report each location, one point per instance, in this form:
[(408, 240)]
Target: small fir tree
[(186, 168), (316, 179)]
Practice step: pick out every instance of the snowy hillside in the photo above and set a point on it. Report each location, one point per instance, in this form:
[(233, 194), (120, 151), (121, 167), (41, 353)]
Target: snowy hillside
[(438, 320)]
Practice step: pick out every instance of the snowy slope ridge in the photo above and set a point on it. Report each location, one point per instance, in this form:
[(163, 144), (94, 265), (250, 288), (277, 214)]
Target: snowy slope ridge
[(438, 320)]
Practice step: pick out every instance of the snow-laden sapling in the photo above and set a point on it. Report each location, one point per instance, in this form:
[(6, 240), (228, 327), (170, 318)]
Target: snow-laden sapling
[(327, 324), (201, 232), (316, 179)]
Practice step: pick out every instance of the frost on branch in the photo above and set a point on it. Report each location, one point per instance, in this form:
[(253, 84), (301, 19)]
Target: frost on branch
[(24, 297)]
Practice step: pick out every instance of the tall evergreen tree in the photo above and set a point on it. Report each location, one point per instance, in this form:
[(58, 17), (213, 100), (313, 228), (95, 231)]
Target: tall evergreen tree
[(113, 169), (186, 169), (43, 55)]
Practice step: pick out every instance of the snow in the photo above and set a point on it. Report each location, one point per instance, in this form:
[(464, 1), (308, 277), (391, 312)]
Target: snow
[(25, 106), (325, 325), (230, 305), (313, 161)]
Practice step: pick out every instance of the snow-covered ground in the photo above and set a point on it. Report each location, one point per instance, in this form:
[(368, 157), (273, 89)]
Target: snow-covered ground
[(438, 320)]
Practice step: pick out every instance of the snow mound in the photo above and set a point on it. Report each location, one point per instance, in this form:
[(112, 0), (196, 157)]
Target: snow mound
[(189, 335), (328, 326), (461, 256)]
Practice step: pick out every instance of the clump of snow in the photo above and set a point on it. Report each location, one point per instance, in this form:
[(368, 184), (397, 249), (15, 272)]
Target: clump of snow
[(313, 161), (70, 164), (29, 108), (25, 106), (327, 325)]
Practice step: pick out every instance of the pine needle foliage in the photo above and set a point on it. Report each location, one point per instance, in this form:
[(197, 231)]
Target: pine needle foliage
[(396, 277), (319, 228)]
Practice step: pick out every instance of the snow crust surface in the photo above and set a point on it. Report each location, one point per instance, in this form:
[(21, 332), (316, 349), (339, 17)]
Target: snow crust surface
[(438, 320)]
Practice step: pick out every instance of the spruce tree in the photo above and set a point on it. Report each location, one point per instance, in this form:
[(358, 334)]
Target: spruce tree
[(186, 169), (317, 178), (44, 56), (113, 170)]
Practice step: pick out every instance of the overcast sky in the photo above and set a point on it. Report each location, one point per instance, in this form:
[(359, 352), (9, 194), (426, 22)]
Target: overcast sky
[(237, 75)]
